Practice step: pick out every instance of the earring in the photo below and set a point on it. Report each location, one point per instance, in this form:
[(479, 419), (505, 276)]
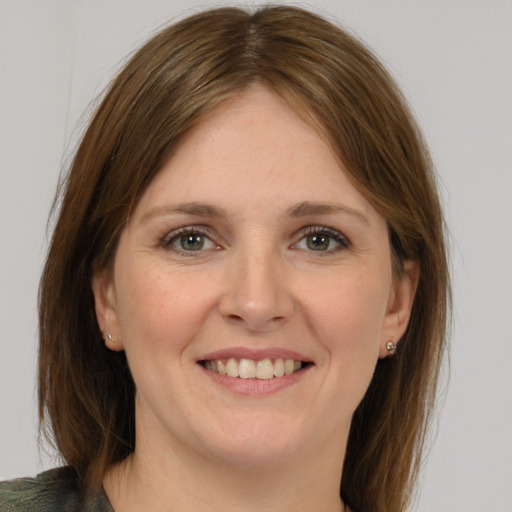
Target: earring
[(391, 347), (108, 337)]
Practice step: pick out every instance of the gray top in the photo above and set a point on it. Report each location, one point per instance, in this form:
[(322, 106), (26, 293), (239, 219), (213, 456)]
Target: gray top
[(51, 491)]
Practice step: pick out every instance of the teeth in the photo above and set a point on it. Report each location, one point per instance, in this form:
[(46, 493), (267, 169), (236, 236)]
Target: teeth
[(221, 368), (250, 369), (232, 368), (278, 367), (289, 365), (264, 369), (247, 369)]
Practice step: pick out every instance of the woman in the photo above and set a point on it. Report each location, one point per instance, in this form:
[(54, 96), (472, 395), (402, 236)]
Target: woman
[(244, 301)]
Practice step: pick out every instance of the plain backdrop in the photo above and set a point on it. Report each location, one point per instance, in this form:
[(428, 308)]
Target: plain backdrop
[(452, 58)]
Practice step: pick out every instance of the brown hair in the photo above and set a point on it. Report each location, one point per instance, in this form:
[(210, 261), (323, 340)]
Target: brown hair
[(86, 393)]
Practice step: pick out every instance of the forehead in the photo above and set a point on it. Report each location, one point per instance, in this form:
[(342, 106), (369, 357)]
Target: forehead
[(254, 150)]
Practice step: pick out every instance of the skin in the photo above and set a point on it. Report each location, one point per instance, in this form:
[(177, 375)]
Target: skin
[(259, 283)]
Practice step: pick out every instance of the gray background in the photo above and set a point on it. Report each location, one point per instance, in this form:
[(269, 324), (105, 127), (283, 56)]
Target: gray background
[(454, 61)]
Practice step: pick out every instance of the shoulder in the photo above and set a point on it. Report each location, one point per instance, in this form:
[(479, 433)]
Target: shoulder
[(56, 489)]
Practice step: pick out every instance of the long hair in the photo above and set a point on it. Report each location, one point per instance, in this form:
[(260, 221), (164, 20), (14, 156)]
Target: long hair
[(178, 78)]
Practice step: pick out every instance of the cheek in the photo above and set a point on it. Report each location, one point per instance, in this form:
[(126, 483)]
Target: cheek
[(158, 307), (348, 316)]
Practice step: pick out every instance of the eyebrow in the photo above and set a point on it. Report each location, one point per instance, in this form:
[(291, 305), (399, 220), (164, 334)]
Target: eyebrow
[(307, 209), (197, 209), (303, 209)]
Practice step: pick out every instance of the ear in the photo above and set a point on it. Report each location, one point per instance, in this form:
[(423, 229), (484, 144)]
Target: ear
[(400, 304), (103, 290)]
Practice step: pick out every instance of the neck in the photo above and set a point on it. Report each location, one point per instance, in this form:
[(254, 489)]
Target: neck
[(168, 481)]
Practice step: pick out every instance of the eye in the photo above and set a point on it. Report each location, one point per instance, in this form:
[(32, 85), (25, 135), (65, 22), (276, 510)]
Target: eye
[(188, 240), (321, 239)]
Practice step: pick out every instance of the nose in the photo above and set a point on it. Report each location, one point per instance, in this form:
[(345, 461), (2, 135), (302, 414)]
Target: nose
[(256, 294)]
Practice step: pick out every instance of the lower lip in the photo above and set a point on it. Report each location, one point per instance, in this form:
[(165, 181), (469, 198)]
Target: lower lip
[(256, 387)]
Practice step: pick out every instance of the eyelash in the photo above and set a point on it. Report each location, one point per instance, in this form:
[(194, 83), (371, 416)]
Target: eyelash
[(333, 234), (174, 236)]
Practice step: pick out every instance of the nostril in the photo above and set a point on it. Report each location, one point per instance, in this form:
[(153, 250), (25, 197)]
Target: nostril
[(273, 320)]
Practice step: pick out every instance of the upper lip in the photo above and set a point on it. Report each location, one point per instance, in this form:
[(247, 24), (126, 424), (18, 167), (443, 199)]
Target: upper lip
[(254, 353)]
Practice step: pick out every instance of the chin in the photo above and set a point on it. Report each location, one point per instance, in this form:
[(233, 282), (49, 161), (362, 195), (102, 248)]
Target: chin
[(259, 443)]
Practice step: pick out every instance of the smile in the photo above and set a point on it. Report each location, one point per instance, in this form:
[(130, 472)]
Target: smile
[(263, 369)]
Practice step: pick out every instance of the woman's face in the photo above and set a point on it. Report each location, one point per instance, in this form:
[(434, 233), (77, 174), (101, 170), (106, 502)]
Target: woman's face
[(248, 250)]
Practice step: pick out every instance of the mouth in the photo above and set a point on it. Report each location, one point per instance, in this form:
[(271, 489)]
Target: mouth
[(260, 369)]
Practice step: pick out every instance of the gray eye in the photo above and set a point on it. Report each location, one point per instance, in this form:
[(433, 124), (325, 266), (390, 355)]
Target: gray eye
[(318, 242), (189, 241), (192, 242), (322, 240)]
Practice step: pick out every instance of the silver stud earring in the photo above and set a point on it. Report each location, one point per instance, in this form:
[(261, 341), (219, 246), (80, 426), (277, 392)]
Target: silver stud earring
[(391, 347), (108, 337)]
